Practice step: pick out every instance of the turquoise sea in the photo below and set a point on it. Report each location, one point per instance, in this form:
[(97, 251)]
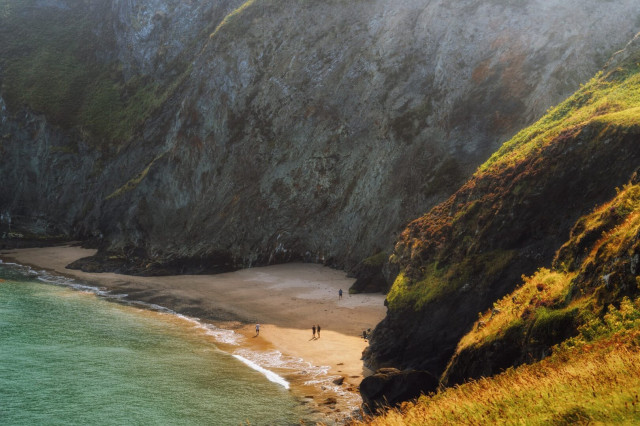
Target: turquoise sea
[(69, 356)]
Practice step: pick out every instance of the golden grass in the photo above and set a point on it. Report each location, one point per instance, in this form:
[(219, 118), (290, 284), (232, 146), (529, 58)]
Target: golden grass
[(596, 383), (607, 99), (545, 288)]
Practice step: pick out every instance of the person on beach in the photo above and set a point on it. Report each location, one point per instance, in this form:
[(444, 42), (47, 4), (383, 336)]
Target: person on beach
[(318, 328), (339, 294), (257, 329), (314, 331)]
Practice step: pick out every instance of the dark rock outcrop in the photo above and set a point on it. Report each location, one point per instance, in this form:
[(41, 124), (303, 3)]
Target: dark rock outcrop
[(339, 381), (370, 276), (518, 345), (389, 386), (138, 263)]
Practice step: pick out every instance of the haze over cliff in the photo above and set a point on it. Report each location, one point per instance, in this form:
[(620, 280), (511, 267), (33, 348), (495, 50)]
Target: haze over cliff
[(236, 133)]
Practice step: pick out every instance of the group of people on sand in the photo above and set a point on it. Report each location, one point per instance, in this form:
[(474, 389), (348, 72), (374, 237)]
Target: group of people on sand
[(316, 329)]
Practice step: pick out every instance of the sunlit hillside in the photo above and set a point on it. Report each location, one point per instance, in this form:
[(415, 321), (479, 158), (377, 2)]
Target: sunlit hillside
[(586, 380), (564, 346), (604, 111)]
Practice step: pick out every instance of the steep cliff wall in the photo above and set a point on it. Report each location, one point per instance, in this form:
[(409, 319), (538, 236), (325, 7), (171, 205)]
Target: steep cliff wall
[(261, 131), (510, 219)]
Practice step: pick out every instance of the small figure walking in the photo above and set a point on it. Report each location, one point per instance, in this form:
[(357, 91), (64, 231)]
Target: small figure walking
[(257, 329), (314, 331), (339, 294), (318, 327)]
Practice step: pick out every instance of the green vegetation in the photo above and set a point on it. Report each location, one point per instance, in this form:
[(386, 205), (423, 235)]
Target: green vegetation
[(406, 292), (377, 260), (439, 281), (132, 183), (48, 62), (229, 18), (551, 325), (611, 99), (624, 320)]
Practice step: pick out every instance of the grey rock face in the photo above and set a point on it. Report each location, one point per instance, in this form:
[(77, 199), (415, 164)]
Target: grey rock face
[(310, 129), (149, 34), (45, 173)]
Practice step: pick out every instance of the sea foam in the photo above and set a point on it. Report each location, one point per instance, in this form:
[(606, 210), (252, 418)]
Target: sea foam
[(258, 361), (220, 335), (270, 375)]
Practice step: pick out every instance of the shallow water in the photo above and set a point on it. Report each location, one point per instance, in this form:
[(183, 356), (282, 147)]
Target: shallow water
[(69, 357)]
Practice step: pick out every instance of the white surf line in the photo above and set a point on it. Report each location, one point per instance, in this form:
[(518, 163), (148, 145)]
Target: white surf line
[(270, 375), (70, 282), (220, 335)]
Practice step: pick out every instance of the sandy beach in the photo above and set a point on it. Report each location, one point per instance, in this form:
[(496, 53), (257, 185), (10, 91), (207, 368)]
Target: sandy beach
[(285, 299)]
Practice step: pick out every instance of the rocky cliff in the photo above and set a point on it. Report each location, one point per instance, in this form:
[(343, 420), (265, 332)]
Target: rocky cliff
[(231, 133), (549, 199)]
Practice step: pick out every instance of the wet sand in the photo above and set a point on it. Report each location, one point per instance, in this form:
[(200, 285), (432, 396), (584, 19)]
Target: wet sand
[(285, 299)]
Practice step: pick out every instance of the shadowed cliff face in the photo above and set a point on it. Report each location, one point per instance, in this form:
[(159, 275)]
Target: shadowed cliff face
[(266, 131), (510, 219)]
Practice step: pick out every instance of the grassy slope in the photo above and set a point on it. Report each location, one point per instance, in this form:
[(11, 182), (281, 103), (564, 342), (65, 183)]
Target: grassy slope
[(48, 62), (594, 270), (595, 381), (576, 285), (606, 105), (590, 293)]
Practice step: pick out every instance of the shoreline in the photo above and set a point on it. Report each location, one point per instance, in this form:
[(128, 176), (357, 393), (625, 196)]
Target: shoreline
[(285, 299)]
